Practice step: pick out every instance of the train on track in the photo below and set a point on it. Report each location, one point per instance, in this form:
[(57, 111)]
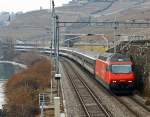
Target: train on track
[(113, 70)]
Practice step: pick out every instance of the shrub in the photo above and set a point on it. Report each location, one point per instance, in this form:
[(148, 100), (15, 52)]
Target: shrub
[(22, 89)]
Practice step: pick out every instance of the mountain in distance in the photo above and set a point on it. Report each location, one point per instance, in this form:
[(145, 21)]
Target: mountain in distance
[(35, 25)]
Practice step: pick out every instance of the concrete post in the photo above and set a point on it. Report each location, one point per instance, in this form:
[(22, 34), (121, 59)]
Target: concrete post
[(57, 106), (42, 110)]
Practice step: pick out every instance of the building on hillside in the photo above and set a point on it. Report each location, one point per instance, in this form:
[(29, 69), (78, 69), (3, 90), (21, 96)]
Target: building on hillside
[(96, 43), (132, 37)]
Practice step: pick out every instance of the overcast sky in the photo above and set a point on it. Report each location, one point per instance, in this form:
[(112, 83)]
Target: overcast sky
[(27, 5)]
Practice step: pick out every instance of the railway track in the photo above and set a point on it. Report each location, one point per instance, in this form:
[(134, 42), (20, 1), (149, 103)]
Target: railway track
[(133, 105), (139, 103), (90, 102), (107, 92), (138, 109)]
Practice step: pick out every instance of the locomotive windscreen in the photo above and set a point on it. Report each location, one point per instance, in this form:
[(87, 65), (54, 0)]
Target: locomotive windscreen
[(121, 68)]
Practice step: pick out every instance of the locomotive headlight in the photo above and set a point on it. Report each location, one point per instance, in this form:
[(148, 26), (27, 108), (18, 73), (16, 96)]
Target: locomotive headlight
[(129, 81), (114, 81)]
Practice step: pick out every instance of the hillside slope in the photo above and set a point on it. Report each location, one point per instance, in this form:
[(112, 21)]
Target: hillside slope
[(35, 25), (121, 10)]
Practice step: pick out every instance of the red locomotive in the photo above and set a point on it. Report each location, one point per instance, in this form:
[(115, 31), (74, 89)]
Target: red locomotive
[(115, 72)]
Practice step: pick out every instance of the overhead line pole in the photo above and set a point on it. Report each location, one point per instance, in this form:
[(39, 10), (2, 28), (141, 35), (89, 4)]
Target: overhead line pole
[(54, 32), (57, 42), (56, 46), (56, 58), (51, 22), (115, 44)]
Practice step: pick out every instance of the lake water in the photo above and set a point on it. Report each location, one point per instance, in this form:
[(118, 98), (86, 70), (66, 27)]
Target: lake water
[(6, 70)]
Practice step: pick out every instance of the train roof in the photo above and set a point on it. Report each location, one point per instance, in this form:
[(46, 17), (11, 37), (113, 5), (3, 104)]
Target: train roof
[(89, 55), (114, 57)]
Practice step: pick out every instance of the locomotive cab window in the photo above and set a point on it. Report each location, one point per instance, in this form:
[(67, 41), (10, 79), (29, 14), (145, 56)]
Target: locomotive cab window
[(121, 68)]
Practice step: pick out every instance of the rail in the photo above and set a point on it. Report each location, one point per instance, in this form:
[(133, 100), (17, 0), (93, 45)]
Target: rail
[(89, 101)]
